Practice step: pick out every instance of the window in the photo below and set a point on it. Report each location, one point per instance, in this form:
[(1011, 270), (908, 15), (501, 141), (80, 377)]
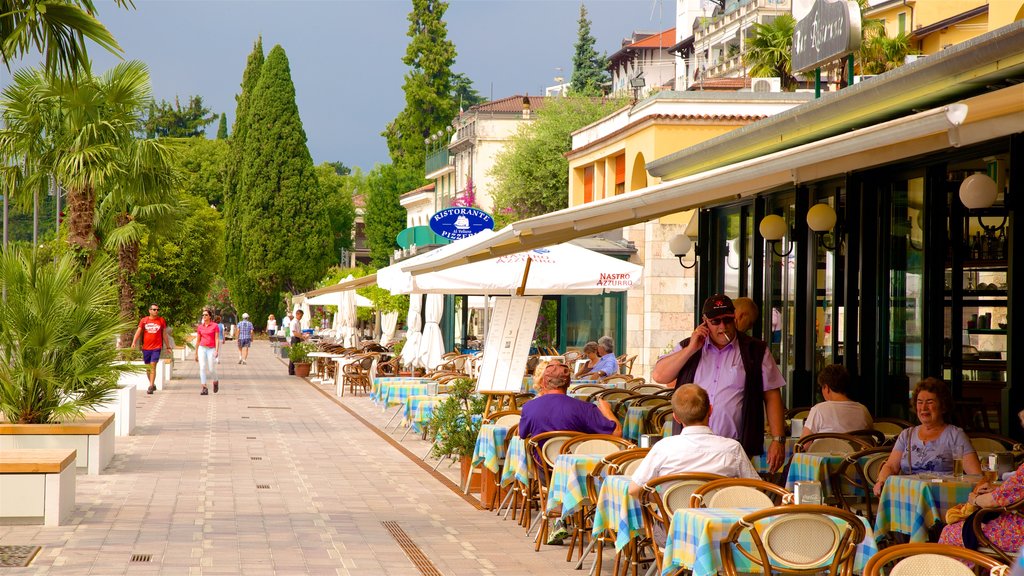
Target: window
[(902, 17), (588, 184), (620, 174)]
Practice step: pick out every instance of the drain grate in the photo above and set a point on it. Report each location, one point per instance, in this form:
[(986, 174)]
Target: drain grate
[(263, 486), (416, 556), (142, 557), (17, 556), (255, 458)]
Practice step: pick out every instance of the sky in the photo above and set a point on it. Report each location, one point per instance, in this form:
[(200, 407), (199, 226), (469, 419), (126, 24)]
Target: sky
[(346, 55)]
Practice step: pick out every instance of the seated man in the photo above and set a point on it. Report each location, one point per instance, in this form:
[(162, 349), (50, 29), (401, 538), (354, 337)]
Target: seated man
[(696, 448), (552, 409), (837, 413), (607, 365)]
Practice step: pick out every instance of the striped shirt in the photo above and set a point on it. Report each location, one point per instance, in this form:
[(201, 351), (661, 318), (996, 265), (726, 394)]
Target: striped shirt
[(245, 330)]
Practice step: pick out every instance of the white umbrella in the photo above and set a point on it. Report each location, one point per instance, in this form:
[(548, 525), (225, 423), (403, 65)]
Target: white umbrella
[(347, 313), (432, 343), (388, 321), (410, 352)]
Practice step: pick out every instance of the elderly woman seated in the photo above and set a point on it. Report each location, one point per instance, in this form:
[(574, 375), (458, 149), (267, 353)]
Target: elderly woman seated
[(590, 353), (1006, 530), (932, 446)]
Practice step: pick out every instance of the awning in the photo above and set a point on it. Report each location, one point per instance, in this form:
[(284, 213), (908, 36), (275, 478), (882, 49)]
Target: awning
[(975, 120), (341, 286)]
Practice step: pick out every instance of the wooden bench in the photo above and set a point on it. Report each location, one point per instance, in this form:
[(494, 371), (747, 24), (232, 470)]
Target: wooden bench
[(92, 438), (37, 484)]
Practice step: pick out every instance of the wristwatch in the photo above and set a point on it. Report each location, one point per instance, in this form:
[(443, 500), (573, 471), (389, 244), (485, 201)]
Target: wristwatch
[(779, 439)]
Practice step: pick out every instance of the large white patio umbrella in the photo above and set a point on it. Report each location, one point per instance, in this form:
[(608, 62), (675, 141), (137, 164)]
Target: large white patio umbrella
[(410, 352), (388, 322), (347, 314), (432, 342)]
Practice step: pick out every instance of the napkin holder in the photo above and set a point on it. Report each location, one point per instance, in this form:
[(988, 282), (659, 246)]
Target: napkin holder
[(649, 440), (807, 492)]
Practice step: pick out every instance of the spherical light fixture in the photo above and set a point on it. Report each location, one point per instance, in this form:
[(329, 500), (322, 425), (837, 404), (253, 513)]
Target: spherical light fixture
[(821, 218), (978, 191), (680, 246), (773, 227)]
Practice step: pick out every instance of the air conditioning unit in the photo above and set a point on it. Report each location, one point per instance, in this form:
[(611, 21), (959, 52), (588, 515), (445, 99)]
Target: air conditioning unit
[(859, 79), (766, 85)]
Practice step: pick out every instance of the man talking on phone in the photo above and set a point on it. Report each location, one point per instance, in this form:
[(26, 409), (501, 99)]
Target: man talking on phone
[(740, 375)]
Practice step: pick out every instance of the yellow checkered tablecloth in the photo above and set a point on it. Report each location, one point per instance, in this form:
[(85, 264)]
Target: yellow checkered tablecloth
[(490, 447), (813, 467), (695, 536), (912, 504), (378, 384), (569, 482), (515, 463), (418, 410), (617, 512), (760, 461), (392, 393), (633, 423)]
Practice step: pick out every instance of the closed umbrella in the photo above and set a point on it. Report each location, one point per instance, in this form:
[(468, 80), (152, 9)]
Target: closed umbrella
[(410, 352), (389, 321), (432, 343), (347, 312)]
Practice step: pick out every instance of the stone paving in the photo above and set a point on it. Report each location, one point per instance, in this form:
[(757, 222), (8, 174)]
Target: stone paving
[(271, 476)]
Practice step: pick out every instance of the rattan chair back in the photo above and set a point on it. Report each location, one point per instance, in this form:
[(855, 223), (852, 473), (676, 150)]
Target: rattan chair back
[(739, 493), (930, 560)]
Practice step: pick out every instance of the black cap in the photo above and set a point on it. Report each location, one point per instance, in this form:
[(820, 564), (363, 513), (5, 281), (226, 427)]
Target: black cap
[(718, 305)]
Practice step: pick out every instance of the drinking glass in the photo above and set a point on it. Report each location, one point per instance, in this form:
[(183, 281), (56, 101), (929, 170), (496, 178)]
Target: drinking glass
[(958, 462)]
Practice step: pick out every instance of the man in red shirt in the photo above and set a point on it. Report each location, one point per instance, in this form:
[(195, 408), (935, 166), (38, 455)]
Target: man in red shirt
[(153, 341)]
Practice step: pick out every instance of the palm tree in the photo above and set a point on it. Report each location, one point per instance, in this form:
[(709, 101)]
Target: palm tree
[(769, 52), (57, 329), (880, 53), (56, 28)]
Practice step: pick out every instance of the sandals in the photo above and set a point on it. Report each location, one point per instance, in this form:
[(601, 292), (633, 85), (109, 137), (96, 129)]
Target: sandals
[(151, 390), (205, 392), (216, 386)]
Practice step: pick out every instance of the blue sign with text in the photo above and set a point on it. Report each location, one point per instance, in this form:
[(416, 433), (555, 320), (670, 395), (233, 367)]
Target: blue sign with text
[(460, 222)]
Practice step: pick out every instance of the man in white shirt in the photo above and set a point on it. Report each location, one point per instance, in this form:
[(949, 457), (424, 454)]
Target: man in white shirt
[(837, 413), (696, 448)]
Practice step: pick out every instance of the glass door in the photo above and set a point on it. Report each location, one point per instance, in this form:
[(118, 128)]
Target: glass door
[(780, 281)]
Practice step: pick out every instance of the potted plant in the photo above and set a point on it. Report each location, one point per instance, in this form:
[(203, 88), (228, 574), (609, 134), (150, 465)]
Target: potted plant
[(298, 353), (455, 424)]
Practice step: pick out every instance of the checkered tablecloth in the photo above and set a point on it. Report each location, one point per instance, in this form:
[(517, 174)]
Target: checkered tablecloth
[(515, 463), (633, 423), (569, 482), (617, 512), (695, 536), (377, 384), (912, 504), (761, 460), (418, 410), (392, 393), (490, 447), (813, 467)]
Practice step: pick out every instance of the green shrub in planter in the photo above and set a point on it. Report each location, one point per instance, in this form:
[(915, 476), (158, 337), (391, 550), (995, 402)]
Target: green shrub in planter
[(455, 422), (299, 352)]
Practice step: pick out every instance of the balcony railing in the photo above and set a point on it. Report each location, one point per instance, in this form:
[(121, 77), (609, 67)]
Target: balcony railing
[(437, 159)]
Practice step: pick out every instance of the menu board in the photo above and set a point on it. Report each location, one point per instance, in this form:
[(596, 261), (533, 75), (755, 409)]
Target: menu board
[(507, 347)]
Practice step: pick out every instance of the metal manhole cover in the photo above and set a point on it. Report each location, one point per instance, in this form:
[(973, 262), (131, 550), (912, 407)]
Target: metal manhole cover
[(17, 556)]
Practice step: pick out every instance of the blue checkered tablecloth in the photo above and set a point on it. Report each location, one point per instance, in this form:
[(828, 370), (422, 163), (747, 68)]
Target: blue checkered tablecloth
[(418, 410), (813, 467), (378, 384), (695, 536), (392, 393), (633, 423), (490, 447), (515, 463), (912, 504), (569, 482), (761, 460), (617, 512)]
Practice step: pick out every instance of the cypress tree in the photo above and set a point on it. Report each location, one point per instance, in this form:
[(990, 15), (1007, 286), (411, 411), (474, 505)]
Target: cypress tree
[(288, 242), (222, 128), (235, 201), (384, 217), (589, 69), (429, 104)]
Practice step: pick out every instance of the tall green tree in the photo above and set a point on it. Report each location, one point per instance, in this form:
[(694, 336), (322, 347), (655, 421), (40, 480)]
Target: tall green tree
[(203, 169), (222, 127), (429, 106), (56, 28), (589, 69), (341, 210), (176, 121), (769, 52), (463, 92), (384, 217), (531, 175), (280, 186)]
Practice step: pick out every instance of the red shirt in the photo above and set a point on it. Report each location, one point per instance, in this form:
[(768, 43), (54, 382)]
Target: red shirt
[(208, 334), (152, 332)]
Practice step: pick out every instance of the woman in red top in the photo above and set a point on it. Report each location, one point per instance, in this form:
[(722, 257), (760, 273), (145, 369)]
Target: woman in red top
[(209, 350)]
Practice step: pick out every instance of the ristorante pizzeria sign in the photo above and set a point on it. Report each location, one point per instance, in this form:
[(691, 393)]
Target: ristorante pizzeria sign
[(828, 32)]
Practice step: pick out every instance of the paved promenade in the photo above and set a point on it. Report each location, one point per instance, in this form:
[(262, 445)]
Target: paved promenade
[(271, 476)]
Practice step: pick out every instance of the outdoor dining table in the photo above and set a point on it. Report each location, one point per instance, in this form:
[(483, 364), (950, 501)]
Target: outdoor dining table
[(617, 511), (760, 461), (515, 467), (569, 482), (813, 467), (633, 423), (319, 357), (378, 381), (912, 504), (695, 537), (489, 451), (418, 410), (394, 392)]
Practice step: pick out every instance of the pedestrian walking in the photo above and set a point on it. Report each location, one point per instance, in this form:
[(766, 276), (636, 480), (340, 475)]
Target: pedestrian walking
[(208, 352), (271, 325), (153, 330), (297, 336), (244, 338)]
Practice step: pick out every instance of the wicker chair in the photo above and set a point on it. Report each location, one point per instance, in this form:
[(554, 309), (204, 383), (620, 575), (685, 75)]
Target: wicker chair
[(930, 560), (988, 547), (542, 450), (612, 394), (891, 427), (857, 475), (988, 442), (659, 500), (621, 463), (595, 444), (356, 375), (832, 442), (645, 388), (506, 418), (739, 493), (586, 389), (874, 436), (657, 418), (617, 380), (797, 539), (626, 365), (798, 412)]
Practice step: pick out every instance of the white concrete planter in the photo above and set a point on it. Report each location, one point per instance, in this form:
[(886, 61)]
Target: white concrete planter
[(167, 369), (123, 407), (37, 485), (92, 438)]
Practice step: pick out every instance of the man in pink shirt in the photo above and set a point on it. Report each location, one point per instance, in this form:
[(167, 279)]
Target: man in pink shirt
[(153, 330)]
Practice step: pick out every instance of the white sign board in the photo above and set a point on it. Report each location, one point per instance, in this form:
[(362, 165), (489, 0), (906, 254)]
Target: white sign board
[(507, 347)]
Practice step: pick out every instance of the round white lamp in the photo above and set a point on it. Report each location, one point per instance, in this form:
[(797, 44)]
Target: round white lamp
[(773, 227), (680, 245), (978, 191), (821, 218)]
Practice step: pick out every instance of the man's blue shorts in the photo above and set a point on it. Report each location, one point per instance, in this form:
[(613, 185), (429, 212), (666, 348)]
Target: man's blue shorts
[(151, 356), (244, 342)]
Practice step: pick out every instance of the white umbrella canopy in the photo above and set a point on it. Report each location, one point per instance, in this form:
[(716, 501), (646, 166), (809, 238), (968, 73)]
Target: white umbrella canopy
[(410, 352), (389, 322), (432, 342), (396, 280), (347, 314)]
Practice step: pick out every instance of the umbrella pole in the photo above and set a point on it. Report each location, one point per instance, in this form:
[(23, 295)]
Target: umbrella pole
[(526, 274)]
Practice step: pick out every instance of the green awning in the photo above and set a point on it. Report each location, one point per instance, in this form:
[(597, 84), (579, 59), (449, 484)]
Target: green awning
[(420, 236)]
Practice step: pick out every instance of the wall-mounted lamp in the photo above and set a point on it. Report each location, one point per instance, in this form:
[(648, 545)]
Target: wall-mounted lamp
[(821, 218), (680, 246), (979, 191), (773, 228)]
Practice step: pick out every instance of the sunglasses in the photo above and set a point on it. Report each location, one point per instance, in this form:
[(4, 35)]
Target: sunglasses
[(717, 321), (154, 309)]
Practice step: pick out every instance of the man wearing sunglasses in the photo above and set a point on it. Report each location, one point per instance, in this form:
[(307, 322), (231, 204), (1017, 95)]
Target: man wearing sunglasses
[(153, 341), (739, 374)]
